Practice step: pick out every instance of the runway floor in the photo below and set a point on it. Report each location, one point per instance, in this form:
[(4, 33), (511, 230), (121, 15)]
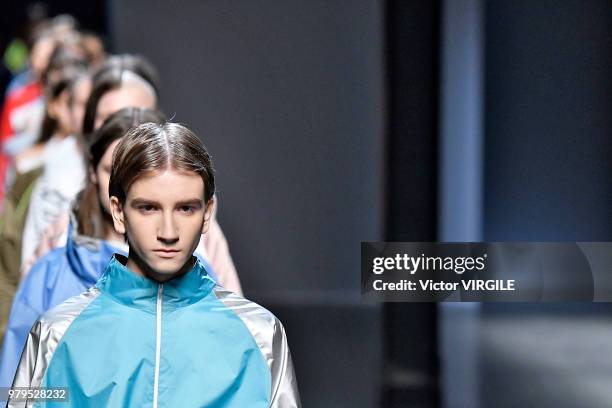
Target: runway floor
[(546, 361)]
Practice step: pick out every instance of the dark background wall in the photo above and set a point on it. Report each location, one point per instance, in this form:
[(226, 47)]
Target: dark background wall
[(548, 177), (411, 372), (288, 96), (548, 174)]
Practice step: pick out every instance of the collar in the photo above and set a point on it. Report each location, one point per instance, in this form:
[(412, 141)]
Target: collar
[(130, 289)]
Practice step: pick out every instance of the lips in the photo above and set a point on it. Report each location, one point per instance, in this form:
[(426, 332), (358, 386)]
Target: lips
[(166, 253)]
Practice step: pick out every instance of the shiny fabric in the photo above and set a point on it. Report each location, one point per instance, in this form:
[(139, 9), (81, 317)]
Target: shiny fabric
[(59, 275), (44, 338), (216, 349), (269, 334)]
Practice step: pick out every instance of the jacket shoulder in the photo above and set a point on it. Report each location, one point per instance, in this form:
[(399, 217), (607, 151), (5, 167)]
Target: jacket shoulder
[(62, 315), (43, 274), (255, 316), (45, 337), (265, 328), (269, 334), (49, 263)]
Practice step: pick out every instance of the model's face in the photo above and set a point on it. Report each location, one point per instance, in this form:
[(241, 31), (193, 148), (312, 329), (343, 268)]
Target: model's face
[(101, 175), (41, 53), (59, 109), (163, 217), (81, 92), (128, 95)]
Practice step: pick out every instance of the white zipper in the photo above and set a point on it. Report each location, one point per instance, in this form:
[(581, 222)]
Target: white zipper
[(160, 291)]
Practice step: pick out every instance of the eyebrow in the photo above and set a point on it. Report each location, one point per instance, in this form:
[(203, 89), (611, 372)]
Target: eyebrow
[(141, 201), (190, 201)]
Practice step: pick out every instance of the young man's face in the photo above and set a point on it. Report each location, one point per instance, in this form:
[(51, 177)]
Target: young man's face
[(163, 216)]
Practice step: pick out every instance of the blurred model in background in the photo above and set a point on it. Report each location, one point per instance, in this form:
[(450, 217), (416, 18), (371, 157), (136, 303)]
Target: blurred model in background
[(71, 269)]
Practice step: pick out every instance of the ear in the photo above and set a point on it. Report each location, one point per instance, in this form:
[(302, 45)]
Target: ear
[(208, 214), (118, 215)]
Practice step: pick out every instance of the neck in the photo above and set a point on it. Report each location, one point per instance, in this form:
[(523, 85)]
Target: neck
[(60, 134), (109, 232)]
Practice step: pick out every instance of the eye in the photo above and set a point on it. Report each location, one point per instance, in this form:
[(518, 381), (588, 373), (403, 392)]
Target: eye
[(146, 209), (187, 209)]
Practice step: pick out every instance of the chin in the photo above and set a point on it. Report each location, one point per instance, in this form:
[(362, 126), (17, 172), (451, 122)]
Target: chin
[(168, 266)]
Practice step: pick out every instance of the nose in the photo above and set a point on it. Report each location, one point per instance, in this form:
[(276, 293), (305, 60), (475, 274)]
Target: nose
[(168, 231)]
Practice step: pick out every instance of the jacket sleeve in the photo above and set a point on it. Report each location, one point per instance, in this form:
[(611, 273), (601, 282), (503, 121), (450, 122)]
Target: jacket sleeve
[(27, 369), (284, 383), (22, 318), (25, 310)]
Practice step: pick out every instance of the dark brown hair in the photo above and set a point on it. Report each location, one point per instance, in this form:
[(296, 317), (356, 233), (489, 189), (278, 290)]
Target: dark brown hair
[(110, 76), (89, 212), (156, 147), (66, 79)]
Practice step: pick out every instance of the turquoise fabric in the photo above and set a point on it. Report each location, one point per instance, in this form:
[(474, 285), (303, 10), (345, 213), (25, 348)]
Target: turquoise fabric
[(208, 356)]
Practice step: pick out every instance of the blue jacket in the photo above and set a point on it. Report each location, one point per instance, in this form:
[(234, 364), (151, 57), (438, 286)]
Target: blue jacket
[(60, 274), (130, 341)]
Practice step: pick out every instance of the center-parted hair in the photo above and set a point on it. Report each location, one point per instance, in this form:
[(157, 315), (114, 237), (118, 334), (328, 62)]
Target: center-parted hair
[(88, 209), (112, 74), (151, 148)]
